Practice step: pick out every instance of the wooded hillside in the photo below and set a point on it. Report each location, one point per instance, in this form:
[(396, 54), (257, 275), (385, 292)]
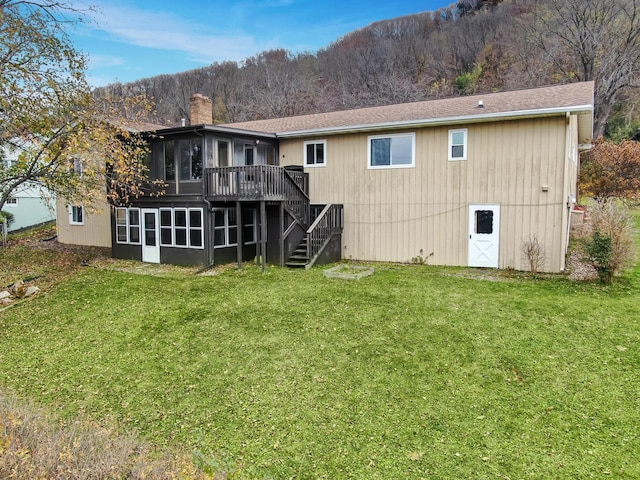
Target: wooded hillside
[(473, 46)]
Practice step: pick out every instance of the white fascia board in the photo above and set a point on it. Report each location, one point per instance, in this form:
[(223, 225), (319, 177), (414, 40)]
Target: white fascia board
[(457, 120)]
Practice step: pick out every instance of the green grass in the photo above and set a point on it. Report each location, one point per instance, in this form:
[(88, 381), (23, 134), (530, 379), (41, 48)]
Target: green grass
[(414, 372)]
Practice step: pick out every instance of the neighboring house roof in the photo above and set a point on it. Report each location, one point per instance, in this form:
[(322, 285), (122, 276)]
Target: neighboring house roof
[(547, 101)]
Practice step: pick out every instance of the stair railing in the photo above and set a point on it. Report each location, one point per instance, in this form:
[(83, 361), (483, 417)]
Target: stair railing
[(329, 222)]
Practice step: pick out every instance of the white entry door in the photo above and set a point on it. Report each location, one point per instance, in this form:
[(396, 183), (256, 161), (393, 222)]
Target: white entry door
[(150, 236), (484, 235)]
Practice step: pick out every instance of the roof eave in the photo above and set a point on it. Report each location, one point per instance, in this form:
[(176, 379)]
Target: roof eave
[(429, 122)]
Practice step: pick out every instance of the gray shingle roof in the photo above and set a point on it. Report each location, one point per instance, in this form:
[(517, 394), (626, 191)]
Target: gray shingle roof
[(577, 97)]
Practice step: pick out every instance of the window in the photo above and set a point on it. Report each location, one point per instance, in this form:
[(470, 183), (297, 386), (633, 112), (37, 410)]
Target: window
[(190, 159), (226, 227), (250, 226), (12, 201), (77, 166), (76, 215), (224, 153), (196, 232), (166, 227), (392, 151), (169, 161), (458, 144), (181, 227), (314, 153), (243, 154), (484, 221), (128, 225)]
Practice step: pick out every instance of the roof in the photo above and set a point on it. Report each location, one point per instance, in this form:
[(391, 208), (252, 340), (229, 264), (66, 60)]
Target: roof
[(546, 101)]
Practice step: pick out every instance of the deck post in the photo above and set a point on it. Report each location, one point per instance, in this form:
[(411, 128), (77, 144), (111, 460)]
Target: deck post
[(239, 233), (281, 233), (263, 235)]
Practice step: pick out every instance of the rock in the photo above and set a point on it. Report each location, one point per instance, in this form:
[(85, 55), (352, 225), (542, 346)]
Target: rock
[(4, 294), (16, 287), (31, 290)]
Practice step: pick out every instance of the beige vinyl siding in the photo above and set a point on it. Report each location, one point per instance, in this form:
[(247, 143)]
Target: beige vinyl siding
[(394, 214), (96, 230)]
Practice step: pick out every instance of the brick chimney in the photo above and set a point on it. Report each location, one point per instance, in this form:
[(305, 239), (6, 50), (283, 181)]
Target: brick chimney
[(201, 109)]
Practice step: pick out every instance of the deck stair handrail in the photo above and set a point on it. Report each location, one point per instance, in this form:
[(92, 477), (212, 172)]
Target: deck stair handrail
[(296, 196), (329, 222)]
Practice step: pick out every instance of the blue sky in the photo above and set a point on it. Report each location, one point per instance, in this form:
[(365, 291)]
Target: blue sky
[(126, 40)]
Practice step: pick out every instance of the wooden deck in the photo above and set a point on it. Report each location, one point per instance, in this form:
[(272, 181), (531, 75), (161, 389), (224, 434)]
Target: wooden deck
[(255, 183)]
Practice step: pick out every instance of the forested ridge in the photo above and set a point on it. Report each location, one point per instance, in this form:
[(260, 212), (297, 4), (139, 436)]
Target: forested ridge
[(472, 46)]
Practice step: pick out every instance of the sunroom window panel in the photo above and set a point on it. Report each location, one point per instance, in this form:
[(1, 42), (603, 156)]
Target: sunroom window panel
[(181, 237), (195, 237), (233, 235), (169, 162), (219, 237), (180, 218), (121, 234), (195, 218)]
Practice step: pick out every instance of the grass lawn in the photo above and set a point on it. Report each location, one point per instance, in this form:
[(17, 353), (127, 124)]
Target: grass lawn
[(414, 372)]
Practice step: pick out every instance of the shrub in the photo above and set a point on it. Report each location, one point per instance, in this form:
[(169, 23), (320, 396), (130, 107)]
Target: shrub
[(611, 248), (8, 216), (533, 251), (599, 249)]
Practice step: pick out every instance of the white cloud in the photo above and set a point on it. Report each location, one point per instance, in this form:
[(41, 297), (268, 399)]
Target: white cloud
[(164, 31)]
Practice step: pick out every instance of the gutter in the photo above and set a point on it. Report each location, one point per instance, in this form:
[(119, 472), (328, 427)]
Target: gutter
[(478, 118)]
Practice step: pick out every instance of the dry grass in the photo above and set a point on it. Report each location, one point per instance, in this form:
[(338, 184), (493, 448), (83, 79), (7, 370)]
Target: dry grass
[(32, 445)]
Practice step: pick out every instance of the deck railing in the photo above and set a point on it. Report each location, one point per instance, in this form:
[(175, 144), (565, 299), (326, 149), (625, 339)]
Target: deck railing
[(260, 182)]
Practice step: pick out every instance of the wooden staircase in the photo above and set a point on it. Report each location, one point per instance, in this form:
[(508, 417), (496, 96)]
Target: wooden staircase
[(299, 258), (316, 242)]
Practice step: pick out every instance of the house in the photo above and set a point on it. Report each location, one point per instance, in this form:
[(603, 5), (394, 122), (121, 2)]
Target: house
[(29, 204), (461, 181)]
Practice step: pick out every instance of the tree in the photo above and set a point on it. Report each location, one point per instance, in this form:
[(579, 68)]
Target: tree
[(611, 170), (593, 40), (51, 123)]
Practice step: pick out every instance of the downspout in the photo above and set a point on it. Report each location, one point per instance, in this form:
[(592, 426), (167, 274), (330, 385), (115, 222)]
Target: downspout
[(209, 206)]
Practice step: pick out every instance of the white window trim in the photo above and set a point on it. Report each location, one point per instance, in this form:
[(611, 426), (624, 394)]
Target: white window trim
[(126, 220), (71, 220), (128, 225), (187, 229), (315, 142), (465, 143), (412, 135), (225, 228), (254, 224), (190, 228), (173, 233), (12, 202)]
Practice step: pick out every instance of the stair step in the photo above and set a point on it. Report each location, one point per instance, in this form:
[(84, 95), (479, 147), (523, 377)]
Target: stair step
[(296, 264)]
